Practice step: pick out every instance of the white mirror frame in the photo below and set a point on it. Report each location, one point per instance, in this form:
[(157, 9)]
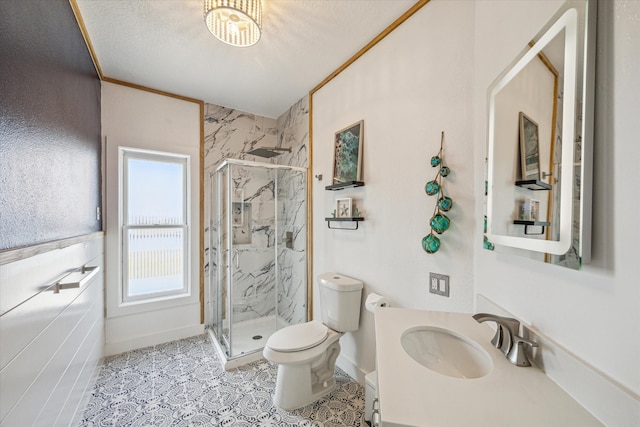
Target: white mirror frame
[(568, 22)]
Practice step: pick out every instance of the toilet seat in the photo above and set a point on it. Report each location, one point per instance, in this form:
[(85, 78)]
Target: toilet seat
[(298, 337)]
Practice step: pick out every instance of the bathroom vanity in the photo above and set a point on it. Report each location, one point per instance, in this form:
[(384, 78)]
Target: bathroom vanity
[(440, 369)]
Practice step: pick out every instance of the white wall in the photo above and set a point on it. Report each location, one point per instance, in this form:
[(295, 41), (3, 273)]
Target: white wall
[(593, 313), (407, 89), (51, 342), (139, 119), (432, 74)]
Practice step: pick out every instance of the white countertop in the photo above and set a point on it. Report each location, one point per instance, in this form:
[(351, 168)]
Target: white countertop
[(412, 395)]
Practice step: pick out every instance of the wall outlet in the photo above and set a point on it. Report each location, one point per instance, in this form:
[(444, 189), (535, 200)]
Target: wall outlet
[(439, 284)]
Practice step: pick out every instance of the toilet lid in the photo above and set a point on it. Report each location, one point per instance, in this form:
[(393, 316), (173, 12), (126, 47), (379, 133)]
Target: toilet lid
[(298, 337)]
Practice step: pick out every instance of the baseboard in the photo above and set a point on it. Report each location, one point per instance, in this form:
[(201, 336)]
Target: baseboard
[(89, 386), (350, 367), (607, 400), (112, 348)]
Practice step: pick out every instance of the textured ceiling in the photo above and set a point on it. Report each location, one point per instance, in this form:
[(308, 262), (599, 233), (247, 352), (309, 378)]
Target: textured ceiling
[(164, 44)]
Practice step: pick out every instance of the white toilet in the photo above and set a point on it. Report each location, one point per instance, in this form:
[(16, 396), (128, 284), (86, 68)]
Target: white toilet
[(306, 353)]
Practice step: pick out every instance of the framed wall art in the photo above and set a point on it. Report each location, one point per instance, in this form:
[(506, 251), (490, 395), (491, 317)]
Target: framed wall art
[(343, 208), (347, 157), (529, 157)]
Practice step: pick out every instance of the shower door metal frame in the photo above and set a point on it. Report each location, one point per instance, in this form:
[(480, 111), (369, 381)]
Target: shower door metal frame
[(230, 258)]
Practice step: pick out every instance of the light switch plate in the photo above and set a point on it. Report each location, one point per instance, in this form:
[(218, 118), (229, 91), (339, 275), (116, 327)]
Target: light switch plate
[(439, 284)]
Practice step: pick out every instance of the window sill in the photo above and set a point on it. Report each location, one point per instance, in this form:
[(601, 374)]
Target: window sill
[(152, 304)]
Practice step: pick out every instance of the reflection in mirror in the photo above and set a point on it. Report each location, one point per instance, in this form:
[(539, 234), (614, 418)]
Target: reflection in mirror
[(539, 143)]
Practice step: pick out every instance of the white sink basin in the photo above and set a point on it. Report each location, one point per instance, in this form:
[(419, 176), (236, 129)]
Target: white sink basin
[(446, 352), (423, 358)]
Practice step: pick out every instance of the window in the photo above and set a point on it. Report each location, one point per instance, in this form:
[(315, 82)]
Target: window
[(154, 224)]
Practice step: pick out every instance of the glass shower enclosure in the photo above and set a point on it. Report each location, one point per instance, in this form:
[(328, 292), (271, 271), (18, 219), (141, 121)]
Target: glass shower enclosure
[(258, 259)]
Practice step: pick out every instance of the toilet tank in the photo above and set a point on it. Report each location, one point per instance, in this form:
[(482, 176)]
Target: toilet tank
[(340, 298)]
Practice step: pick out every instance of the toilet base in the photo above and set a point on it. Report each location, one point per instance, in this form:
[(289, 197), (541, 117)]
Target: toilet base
[(301, 384)]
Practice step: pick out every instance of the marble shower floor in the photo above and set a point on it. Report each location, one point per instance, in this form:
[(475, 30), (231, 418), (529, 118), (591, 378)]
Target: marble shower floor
[(182, 383), (244, 332)]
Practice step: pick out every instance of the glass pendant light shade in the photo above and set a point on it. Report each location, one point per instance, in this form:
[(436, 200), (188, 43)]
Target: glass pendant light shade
[(235, 22)]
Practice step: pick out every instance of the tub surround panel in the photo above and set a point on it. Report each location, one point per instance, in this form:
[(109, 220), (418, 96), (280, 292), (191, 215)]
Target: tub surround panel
[(49, 126)]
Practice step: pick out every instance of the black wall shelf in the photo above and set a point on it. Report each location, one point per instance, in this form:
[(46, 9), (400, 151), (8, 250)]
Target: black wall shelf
[(343, 185), (355, 220), (534, 184), (528, 224)]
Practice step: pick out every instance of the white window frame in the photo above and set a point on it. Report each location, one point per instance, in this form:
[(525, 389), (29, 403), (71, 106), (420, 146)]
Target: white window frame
[(127, 153)]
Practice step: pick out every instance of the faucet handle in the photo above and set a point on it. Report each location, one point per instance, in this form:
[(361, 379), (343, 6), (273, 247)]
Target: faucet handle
[(498, 338), (507, 327), (517, 355)]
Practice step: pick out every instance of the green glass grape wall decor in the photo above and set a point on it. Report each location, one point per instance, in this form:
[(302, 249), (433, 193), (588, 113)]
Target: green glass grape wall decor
[(439, 222)]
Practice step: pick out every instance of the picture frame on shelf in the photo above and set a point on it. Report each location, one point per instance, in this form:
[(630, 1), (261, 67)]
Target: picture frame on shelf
[(529, 153), (535, 209), (347, 154), (343, 208)]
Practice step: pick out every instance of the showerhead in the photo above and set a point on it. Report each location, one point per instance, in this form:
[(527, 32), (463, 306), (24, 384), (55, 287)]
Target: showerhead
[(268, 152)]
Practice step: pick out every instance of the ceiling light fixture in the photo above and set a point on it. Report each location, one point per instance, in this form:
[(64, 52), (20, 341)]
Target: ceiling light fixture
[(235, 22)]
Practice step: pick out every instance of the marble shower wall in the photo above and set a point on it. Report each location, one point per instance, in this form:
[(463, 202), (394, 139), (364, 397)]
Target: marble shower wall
[(254, 242), (231, 134), (292, 262), (293, 132)]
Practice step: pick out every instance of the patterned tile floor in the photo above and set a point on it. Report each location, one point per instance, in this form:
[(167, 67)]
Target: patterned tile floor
[(182, 383)]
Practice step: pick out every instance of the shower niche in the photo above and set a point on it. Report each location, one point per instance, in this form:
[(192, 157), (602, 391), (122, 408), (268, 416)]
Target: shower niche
[(258, 259)]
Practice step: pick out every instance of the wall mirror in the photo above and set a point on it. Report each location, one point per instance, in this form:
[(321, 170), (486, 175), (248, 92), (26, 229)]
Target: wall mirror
[(539, 145)]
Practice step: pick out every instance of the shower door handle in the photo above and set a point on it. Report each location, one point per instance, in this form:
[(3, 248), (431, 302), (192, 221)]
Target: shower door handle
[(225, 258), (236, 258)]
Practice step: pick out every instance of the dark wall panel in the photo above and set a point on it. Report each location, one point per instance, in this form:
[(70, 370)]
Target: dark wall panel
[(49, 125)]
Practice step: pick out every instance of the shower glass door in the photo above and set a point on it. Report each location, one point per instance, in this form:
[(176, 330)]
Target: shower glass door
[(250, 257), (260, 242)]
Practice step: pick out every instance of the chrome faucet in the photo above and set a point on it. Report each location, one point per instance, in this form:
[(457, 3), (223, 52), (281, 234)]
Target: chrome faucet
[(507, 338)]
